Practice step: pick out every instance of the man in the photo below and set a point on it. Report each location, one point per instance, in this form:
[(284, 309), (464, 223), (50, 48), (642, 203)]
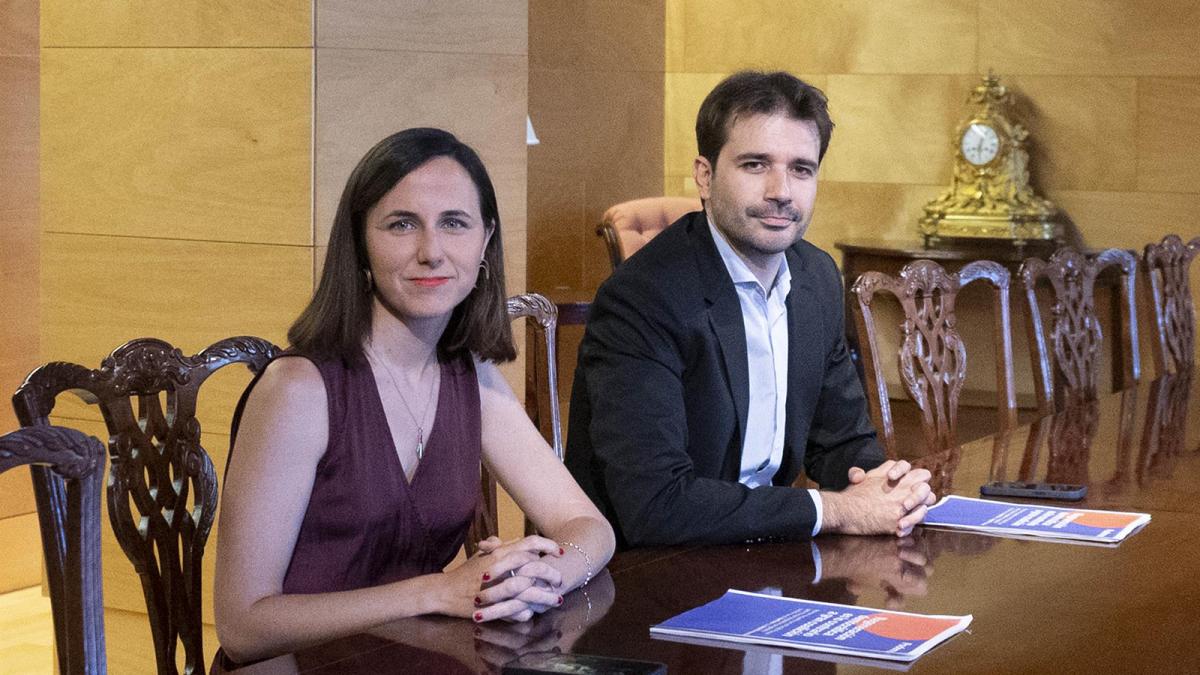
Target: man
[(714, 365)]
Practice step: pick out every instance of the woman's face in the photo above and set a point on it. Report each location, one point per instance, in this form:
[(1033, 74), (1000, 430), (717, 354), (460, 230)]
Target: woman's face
[(425, 239)]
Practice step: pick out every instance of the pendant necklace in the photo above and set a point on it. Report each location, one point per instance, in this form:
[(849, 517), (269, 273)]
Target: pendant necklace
[(403, 400)]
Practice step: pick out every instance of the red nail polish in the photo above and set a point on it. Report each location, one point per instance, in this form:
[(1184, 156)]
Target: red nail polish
[(478, 602), (560, 599), (561, 552), (479, 616), (487, 577)]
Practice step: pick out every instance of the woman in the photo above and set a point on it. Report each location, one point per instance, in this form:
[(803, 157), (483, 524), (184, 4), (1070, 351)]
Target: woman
[(357, 455)]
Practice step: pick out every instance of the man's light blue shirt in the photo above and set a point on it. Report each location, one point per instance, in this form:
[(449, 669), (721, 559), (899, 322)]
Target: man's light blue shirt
[(764, 316)]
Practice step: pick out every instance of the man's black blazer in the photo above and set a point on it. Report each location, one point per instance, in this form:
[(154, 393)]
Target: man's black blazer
[(659, 404)]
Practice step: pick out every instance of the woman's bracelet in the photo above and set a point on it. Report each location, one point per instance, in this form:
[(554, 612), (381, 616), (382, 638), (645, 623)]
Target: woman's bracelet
[(587, 561)]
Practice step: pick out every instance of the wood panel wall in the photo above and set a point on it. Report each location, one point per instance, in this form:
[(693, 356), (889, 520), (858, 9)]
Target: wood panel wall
[(18, 270), (596, 101), (1108, 89), (176, 199)]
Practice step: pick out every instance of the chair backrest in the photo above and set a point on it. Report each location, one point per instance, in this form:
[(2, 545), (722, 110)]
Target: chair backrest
[(162, 489), (1067, 364), (68, 468), (1165, 266), (932, 357), (627, 226), (544, 318)]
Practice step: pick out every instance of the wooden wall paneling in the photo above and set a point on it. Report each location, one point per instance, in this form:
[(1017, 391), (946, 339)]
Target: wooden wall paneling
[(19, 532), (1085, 130), (674, 35), (1084, 37), (682, 95), (99, 292), (1130, 219), (18, 27), (362, 96), (177, 23), (20, 535), (1168, 145), (18, 221), (875, 210), (462, 26), (857, 36), (556, 36), (558, 230), (894, 128), (623, 154), (183, 143), (623, 35)]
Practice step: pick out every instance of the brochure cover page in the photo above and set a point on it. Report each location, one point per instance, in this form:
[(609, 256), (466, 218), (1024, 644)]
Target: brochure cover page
[(1034, 519), (740, 616)]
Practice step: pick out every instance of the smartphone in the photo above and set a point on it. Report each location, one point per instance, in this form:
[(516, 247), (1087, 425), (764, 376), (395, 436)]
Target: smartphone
[(1065, 491)]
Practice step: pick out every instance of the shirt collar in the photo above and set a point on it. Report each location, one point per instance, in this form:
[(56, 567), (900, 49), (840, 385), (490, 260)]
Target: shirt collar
[(739, 271)]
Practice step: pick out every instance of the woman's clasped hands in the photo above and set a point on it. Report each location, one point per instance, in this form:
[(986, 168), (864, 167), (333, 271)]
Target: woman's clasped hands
[(509, 580)]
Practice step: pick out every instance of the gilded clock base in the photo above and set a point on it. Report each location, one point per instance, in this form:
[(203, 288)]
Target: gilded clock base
[(975, 226)]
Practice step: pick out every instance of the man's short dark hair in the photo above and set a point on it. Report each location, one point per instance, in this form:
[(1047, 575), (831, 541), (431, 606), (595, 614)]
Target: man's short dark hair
[(752, 92)]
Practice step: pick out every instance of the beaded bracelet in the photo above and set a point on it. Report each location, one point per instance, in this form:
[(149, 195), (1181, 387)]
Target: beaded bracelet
[(587, 561)]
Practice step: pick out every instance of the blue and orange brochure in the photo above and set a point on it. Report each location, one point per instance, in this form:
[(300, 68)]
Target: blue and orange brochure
[(1034, 520), (744, 617)]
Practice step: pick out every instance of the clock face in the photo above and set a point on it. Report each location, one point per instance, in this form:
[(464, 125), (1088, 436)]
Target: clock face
[(980, 143)]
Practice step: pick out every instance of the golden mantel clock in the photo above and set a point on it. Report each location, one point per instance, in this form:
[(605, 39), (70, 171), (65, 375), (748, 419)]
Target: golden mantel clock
[(989, 195)]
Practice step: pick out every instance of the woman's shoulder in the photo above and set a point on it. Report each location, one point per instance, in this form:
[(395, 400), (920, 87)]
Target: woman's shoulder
[(295, 378)]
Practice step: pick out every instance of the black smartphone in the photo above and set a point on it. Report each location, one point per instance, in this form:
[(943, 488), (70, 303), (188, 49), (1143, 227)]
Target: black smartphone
[(1065, 491)]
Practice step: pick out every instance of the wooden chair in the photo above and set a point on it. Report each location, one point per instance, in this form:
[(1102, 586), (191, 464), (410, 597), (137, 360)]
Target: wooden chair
[(543, 317), (932, 357), (1166, 276), (1067, 365), (162, 490), (67, 470), (626, 227)]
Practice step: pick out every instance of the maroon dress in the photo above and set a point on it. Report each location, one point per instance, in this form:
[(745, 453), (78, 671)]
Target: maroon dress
[(366, 523)]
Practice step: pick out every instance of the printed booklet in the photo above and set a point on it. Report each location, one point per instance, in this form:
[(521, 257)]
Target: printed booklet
[(1034, 520), (740, 616)]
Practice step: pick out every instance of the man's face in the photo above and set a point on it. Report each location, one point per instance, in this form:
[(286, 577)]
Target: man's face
[(761, 194)]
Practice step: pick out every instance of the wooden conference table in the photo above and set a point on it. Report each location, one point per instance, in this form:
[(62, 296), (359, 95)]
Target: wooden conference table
[(1038, 606)]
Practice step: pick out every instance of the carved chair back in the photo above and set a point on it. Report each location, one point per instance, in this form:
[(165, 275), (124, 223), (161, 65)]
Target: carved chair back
[(162, 489), (1166, 267), (626, 227), (1066, 364), (932, 357), (68, 468), (543, 316)]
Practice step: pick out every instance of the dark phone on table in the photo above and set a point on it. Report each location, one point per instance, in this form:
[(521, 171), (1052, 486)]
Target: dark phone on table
[(1066, 491)]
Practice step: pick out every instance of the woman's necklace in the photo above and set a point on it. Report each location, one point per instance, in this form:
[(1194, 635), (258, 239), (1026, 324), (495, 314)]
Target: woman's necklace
[(407, 408)]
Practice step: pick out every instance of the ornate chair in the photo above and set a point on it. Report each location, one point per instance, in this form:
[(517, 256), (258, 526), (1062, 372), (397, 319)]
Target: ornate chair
[(627, 226), (67, 469), (162, 490), (932, 357), (1067, 367), (543, 316), (1166, 271)]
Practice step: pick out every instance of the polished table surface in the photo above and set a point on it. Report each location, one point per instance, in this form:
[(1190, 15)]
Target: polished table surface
[(1039, 606)]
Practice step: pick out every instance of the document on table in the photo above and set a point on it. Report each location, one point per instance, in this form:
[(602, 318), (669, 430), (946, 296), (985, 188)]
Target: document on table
[(1034, 520), (740, 616)]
